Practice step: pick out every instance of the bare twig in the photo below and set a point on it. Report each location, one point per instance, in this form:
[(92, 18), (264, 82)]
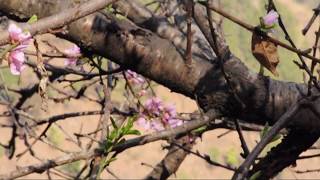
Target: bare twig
[(97, 166), (206, 158), (190, 10), (172, 160), (313, 18), (307, 171), (303, 63), (242, 140), (253, 29)]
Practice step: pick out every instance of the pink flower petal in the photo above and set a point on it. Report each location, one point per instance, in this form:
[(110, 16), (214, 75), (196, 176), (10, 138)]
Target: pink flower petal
[(21, 47), (271, 18), (14, 32), (143, 122), (16, 62), (154, 105), (16, 70), (70, 62), (142, 93), (157, 126), (171, 109), (17, 35), (16, 57), (134, 78), (74, 51), (175, 122), (24, 38)]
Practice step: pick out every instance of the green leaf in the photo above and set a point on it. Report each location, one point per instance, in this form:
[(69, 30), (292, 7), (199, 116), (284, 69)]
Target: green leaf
[(264, 27), (109, 9), (107, 147), (33, 18), (110, 161), (232, 157), (72, 168), (113, 135), (55, 136), (114, 125), (276, 138), (200, 129), (133, 132), (1, 151), (127, 126), (264, 130), (120, 17), (255, 176), (130, 122), (122, 141), (214, 153)]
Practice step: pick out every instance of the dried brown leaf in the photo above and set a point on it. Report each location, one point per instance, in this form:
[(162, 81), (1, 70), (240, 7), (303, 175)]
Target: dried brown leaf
[(265, 52)]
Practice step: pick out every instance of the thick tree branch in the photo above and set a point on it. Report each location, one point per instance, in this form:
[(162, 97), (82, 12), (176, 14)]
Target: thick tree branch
[(285, 154), (57, 20), (172, 160)]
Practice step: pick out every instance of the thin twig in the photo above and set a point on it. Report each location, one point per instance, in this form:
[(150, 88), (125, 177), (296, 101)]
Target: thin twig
[(284, 119), (221, 54), (313, 18), (253, 29), (242, 140), (206, 158), (190, 10), (307, 171)]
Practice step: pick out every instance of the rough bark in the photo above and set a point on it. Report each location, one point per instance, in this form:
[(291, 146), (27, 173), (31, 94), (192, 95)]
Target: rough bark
[(156, 58), (172, 160), (285, 154)]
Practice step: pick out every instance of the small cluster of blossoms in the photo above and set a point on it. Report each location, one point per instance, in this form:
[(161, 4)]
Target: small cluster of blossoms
[(136, 80), (157, 116), (16, 56), (21, 40), (72, 55)]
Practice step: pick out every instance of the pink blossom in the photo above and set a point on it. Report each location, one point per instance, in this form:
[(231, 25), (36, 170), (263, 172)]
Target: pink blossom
[(74, 51), (141, 121), (171, 110), (72, 54), (70, 62), (154, 105), (271, 18), (134, 78), (174, 122), (16, 56), (169, 116), (155, 125), (17, 35), (16, 62), (157, 116), (142, 93)]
